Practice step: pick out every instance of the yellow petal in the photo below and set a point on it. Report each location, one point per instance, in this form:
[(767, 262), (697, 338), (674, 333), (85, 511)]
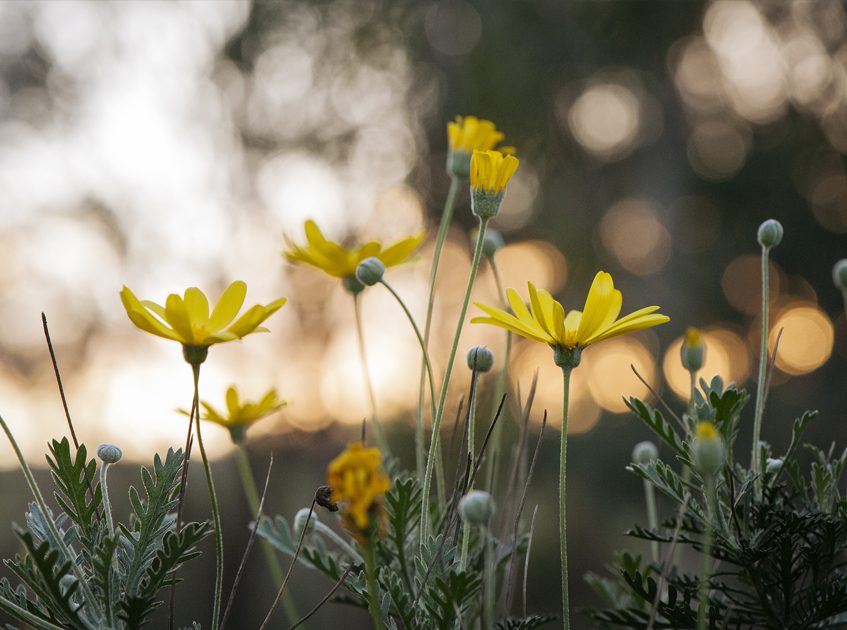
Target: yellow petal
[(507, 169), (156, 308), (228, 306), (196, 304), (142, 318), (401, 250), (177, 316), (601, 306), (516, 327), (518, 307), (232, 400), (638, 320)]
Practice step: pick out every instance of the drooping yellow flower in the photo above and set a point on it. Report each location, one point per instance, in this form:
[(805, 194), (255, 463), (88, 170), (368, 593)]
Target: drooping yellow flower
[(335, 260), (491, 171), (358, 483), (546, 321), (241, 415), (469, 134), (187, 319)]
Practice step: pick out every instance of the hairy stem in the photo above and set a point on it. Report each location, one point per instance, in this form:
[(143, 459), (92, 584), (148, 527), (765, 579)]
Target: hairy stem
[(756, 464), (563, 521), (373, 588)]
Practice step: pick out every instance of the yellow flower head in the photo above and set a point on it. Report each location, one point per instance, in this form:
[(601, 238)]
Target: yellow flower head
[(692, 351), (491, 171), (706, 431), (468, 134), (239, 416), (358, 482), (545, 320), (335, 260), (187, 319)]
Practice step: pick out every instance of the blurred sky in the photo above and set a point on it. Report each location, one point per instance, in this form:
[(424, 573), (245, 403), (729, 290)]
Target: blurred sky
[(162, 145)]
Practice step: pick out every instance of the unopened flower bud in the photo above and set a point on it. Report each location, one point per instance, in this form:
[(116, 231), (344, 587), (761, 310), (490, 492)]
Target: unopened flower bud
[(459, 164), (300, 522), (476, 507), (370, 271), (839, 274), (109, 453), (708, 449), (645, 452), (480, 358), (774, 464), (770, 233), (693, 351), (491, 243), (352, 284)]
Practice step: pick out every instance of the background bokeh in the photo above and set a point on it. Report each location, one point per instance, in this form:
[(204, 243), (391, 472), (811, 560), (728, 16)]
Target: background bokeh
[(170, 144)]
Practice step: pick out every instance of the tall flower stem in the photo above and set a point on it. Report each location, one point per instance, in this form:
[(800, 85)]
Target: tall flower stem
[(705, 571), (444, 226), (652, 516), (489, 584), (760, 385), (379, 434), (420, 341), (499, 390), (213, 498), (563, 521), (466, 527), (436, 424), (248, 484), (104, 489), (373, 588)]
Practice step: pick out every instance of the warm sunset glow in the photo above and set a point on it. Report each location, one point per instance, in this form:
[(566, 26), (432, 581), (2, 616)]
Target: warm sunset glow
[(631, 230), (605, 119), (610, 375), (742, 283), (807, 338)]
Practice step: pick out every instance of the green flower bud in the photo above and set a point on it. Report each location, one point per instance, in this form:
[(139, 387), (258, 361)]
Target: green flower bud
[(195, 355), (491, 244), (645, 452), (476, 507), (480, 357), (567, 358), (839, 274), (370, 271), (770, 233), (109, 453), (708, 450), (774, 465), (352, 284), (459, 164), (693, 351), (300, 522)]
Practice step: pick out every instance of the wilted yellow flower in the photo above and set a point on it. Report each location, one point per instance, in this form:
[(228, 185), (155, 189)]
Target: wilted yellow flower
[(187, 320), (358, 482), (241, 415), (545, 320), (335, 260)]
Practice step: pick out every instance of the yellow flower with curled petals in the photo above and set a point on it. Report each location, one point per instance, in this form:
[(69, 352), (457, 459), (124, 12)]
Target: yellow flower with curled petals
[(490, 172), (545, 319), (466, 135), (336, 261), (187, 319), (239, 416), (358, 483)]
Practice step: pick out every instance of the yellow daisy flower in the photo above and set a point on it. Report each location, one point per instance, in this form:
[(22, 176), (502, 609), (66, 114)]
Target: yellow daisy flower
[(491, 171), (240, 416), (335, 260), (466, 135), (358, 482), (187, 319), (546, 321)]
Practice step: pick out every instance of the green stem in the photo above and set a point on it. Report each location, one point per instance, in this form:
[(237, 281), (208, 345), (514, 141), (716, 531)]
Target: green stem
[(216, 513), (436, 425), (107, 506), (489, 585), (57, 537), (444, 226), (466, 527), (760, 385), (563, 522), (373, 592), (248, 484), (493, 459), (705, 572), (692, 401), (652, 516), (379, 434)]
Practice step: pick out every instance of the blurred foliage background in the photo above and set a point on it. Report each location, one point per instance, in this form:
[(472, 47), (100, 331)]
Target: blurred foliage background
[(170, 144)]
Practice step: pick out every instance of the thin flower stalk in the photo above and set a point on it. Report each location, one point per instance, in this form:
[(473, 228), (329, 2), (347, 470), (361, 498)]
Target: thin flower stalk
[(444, 226), (756, 456), (379, 433), (436, 425), (466, 527), (563, 518)]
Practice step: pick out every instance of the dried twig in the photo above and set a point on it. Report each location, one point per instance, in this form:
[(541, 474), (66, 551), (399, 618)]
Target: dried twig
[(324, 600)]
